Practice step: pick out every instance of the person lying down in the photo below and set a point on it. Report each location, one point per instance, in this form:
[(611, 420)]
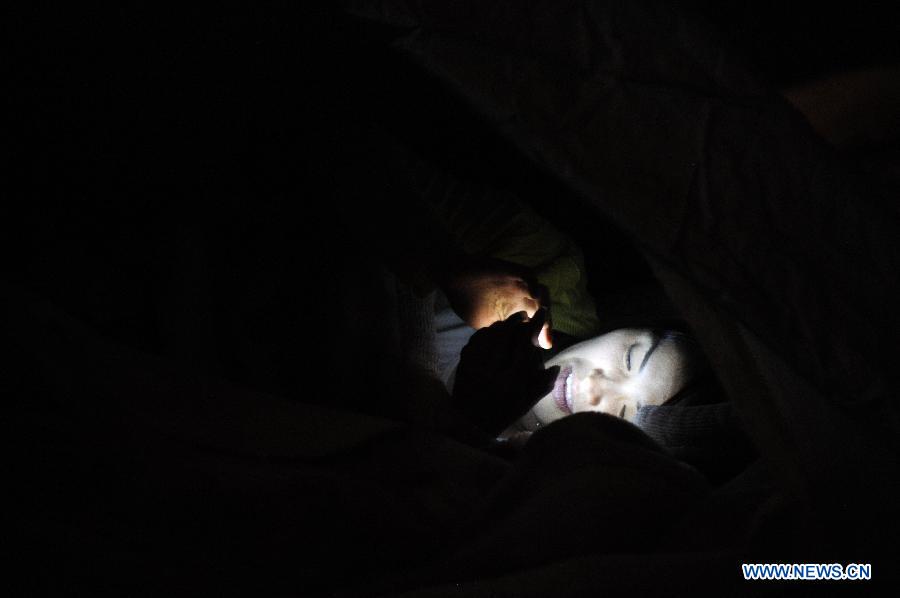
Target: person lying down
[(509, 262), (657, 379)]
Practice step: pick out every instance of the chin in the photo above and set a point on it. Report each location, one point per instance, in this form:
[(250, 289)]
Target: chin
[(546, 410)]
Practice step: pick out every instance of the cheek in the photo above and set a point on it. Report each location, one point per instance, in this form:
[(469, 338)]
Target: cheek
[(659, 384), (546, 410), (619, 405)]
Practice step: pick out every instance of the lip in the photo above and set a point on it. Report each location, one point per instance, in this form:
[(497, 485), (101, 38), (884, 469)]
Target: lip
[(562, 389)]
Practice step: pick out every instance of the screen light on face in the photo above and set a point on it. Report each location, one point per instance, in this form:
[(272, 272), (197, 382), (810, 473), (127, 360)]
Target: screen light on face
[(617, 373)]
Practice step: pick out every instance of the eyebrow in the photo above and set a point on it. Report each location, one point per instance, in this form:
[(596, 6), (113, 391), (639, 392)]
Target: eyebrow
[(649, 351)]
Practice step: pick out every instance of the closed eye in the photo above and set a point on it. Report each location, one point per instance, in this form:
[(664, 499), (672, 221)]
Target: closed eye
[(622, 412), (628, 356), (649, 352)]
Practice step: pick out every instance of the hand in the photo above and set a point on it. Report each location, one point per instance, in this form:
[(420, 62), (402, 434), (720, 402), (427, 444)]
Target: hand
[(501, 373), (483, 291)]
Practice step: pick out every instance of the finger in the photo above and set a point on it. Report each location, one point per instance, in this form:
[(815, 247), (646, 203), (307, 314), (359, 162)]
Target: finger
[(518, 317), (518, 296), (525, 329), (500, 339), (541, 383), (537, 325), (545, 337), (520, 331), (534, 295), (531, 305), (525, 363), (511, 321)]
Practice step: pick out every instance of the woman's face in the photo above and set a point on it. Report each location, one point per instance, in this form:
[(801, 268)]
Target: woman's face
[(616, 373)]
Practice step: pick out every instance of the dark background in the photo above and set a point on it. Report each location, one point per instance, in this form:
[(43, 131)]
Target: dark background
[(163, 164), (185, 181)]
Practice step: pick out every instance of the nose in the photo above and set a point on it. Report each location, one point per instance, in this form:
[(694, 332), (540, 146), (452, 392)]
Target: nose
[(600, 385)]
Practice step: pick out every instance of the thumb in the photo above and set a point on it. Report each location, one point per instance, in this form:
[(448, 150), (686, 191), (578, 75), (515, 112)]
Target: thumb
[(541, 329)]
